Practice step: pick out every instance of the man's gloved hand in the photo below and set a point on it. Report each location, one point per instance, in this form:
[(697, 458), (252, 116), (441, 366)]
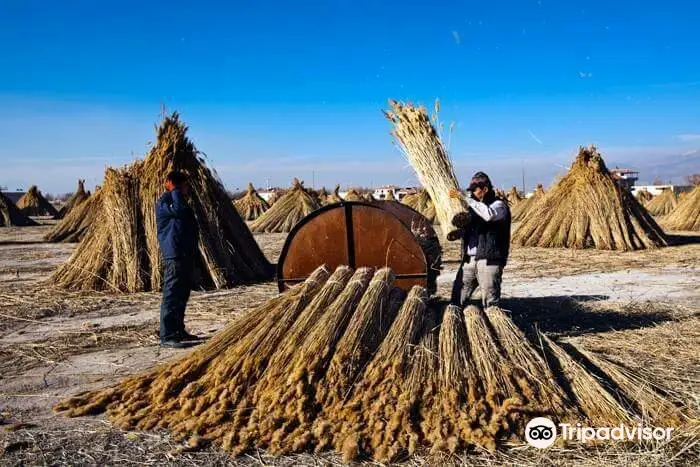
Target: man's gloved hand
[(461, 220), (455, 235)]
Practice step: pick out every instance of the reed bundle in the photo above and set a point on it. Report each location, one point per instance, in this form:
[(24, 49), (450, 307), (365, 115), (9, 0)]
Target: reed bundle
[(520, 209), (120, 251), (76, 199), (73, 227), (353, 195), (11, 216), (643, 196), (686, 216), (594, 401), (513, 196), (390, 196), (34, 204), (422, 203), (421, 145), (335, 196), (251, 206), (662, 204), (284, 214), (322, 196), (588, 209)]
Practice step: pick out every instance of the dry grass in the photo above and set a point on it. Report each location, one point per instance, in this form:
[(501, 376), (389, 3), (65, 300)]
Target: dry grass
[(121, 252), (662, 204), (588, 209), (10, 215), (513, 196), (422, 203), (643, 196), (686, 216), (521, 209), (75, 200), (353, 195), (34, 204), (421, 145), (251, 206), (285, 213), (73, 227)]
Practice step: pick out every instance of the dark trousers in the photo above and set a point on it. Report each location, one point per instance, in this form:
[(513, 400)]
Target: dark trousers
[(177, 283)]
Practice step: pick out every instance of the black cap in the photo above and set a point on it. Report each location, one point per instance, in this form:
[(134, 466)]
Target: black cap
[(479, 179)]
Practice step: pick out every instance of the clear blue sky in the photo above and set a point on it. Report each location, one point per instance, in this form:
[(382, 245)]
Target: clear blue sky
[(273, 90)]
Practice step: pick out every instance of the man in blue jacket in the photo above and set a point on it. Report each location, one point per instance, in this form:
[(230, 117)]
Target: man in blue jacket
[(177, 235)]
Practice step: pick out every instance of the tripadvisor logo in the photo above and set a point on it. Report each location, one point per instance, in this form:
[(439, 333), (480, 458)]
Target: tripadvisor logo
[(541, 433)]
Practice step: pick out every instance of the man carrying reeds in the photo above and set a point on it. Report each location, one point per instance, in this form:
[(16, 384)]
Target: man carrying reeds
[(177, 236), (485, 233)]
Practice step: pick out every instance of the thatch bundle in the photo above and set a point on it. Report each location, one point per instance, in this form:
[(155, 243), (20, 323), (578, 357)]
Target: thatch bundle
[(75, 200), (390, 196), (421, 145), (276, 196), (11, 216), (252, 205), (296, 204), (643, 196), (422, 203), (588, 209), (34, 204), (322, 196), (368, 198), (347, 361), (120, 251), (663, 203), (353, 195), (513, 197), (520, 209), (686, 216), (73, 227), (334, 197)]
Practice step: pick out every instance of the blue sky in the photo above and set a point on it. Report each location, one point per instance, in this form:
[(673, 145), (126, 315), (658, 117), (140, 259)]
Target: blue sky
[(273, 90)]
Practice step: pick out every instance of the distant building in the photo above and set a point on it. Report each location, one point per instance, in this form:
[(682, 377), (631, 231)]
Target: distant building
[(626, 178), (399, 193), (658, 189), (13, 196)]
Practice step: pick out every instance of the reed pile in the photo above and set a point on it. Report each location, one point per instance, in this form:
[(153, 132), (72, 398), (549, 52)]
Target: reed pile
[(588, 209), (520, 210), (422, 146), (77, 198), (686, 216), (73, 227), (11, 216), (353, 195), (296, 204), (643, 196), (390, 196), (513, 197), (120, 251), (422, 203), (322, 196), (335, 196), (252, 205), (663, 203), (349, 362), (34, 204)]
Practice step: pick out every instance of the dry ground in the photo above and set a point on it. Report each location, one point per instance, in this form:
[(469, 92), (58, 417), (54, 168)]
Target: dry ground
[(643, 308)]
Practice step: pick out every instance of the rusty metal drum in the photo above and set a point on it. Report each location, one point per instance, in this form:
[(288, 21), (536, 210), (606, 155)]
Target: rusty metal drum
[(360, 234)]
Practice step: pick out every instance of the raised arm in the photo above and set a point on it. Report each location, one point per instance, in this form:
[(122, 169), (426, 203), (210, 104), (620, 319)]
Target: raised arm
[(495, 212), (176, 209)]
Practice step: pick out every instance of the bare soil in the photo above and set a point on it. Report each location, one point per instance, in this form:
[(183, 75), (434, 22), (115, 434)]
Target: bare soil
[(642, 308)]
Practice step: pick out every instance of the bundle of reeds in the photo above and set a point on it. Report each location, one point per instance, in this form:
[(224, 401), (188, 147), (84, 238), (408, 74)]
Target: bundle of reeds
[(75, 200), (594, 401), (390, 196), (686, 216), (34, 204), (663, 203), (374, 417), (422, 203), (368, 198), (120, 251), (647, 398), (322, 196), (643, 196), (251, 206), (335, 196), (276, 196), (520, 209), (288, 211), (500, 194), (513, 196), (588, 209), (11, 216), (353, 195), (420, 143), (74, 226)]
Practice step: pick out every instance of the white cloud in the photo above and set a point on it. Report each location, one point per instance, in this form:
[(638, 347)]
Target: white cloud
[(689, 137)]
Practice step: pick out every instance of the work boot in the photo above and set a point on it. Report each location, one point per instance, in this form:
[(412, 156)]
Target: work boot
[(174, 344), (186, 336)]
